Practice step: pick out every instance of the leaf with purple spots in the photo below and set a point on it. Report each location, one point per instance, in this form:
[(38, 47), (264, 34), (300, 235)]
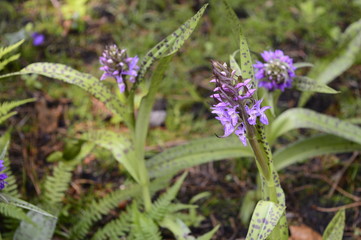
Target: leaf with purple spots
[(194, 153), (307, 84), (83, 80), (264, 219), (334, 230), (304, 118), (171, 43)]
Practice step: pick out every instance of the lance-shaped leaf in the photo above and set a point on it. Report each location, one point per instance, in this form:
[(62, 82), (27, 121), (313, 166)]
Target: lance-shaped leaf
[(334, 230), (233, 63), (42, 230), (303, 118), (171, 43), (302, 65), (246, 60), (86, 81), (264, 219), (194, 153), (118, 144), (311, 147), (327, 70), (146, 106), (13, 212), (307, 84), (22, 204)]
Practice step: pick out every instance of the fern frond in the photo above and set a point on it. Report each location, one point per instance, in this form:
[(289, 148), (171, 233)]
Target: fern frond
[(143, 227), (56, 185), (6, 107), (6, 50), (161, 207), (98, 208), (8, 60), (11, 211), (116, 228)]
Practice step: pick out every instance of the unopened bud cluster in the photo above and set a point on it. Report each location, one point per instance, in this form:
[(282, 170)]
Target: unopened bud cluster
[(115, 63), (236, 108)]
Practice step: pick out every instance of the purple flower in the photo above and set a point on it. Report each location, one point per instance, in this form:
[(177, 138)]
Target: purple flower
[(236, 108), (257, 111), (277, 72), (115, 63), (3, 176), (38, 38)]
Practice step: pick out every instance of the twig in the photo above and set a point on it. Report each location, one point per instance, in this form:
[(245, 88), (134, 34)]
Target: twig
[(340, 190), (335, 209), (341, 173)]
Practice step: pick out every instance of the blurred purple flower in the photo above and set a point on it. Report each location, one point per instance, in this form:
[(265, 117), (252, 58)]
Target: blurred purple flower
[(3, 176), (235, 108), (277, 72), (38, 38), (115, 63)]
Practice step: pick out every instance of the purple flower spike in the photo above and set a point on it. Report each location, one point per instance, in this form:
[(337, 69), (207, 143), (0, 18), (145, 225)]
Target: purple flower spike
[(277, 72), (38, 38), (3, 176), (115, 63), (236, 108)]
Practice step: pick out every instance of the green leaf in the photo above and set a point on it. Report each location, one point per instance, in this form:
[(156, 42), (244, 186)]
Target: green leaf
[(25, 205), (311, 147), (302, 65), (146, 105), (248, 204), (195, 153), (171, 43), (264, 219), (233, 63), (82, 80), (303, 118), (245, 55), (352, 30), (334, 230), (118, 144), (11, 211), (307, 84), (209, 235), (43, 230), (327, 70)]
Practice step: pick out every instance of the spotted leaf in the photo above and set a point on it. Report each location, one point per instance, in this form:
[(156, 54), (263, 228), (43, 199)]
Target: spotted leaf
[(83, 80), (171, 43), (306, 84), (264, 219), (334, 230), (304, 118), (194, 153)]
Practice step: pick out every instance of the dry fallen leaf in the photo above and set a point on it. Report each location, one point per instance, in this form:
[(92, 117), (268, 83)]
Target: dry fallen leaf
[(303, 232)]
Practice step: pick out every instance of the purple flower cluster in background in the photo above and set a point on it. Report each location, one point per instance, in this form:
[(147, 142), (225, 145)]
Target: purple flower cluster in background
[(3, 176), (115, 63), (277, 72), (236, 108), (38, 38)]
